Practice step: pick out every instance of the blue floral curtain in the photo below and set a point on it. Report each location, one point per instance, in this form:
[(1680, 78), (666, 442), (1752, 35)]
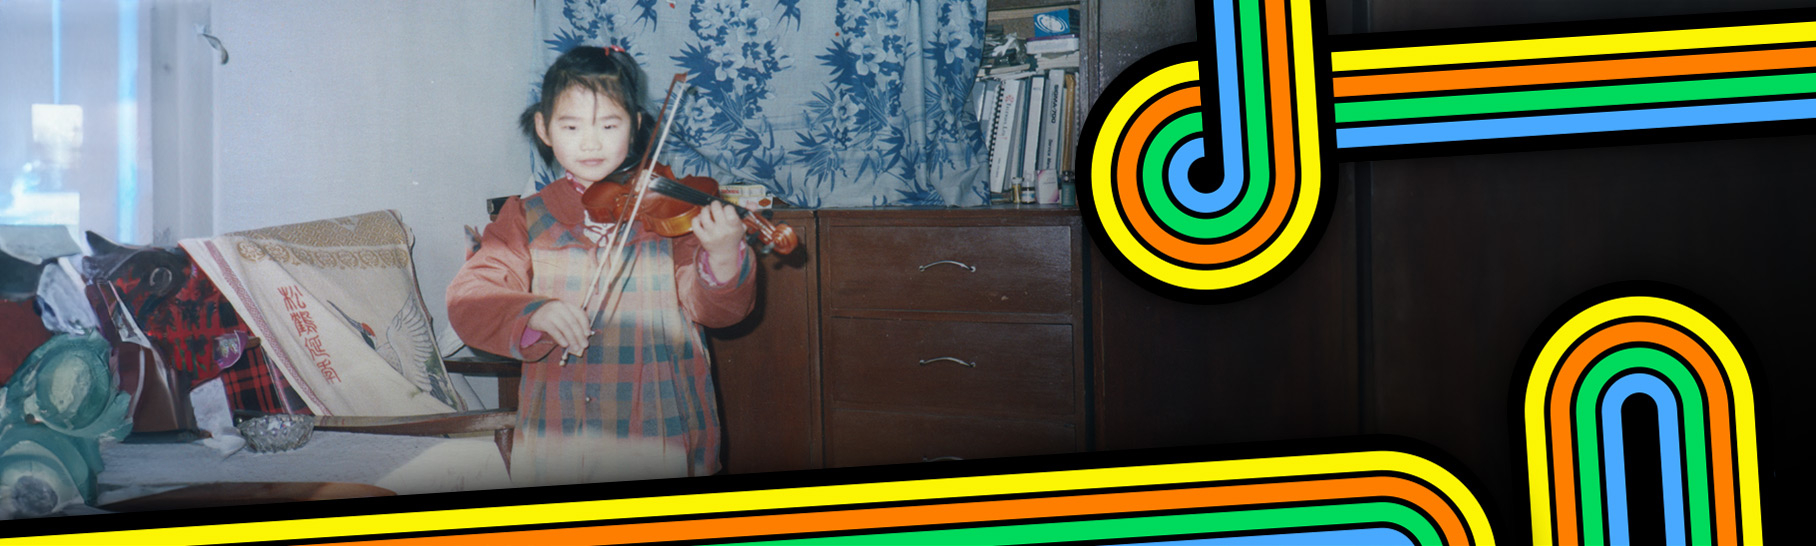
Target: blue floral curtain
[(852, 103)]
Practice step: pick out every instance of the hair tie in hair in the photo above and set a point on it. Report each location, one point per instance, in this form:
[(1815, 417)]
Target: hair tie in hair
[(614, 49)]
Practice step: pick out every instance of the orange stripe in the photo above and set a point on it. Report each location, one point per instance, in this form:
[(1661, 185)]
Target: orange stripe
[(1449, 523), (1128, 182), (1721, 429), (1721, 446), (1284, 181), (1651, 67), (1286, 152)]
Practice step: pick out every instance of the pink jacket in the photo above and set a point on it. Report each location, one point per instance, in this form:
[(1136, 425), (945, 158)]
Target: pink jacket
[(490, 303)]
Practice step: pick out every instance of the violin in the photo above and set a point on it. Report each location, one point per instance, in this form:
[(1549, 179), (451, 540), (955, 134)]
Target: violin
[(670, 206), (651, 195)]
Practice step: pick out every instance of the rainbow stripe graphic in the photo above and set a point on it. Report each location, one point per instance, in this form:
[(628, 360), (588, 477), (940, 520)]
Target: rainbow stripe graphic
[(1641, 349), (1150, 145), (1202, 191), (1574, 85), (1365, 497)]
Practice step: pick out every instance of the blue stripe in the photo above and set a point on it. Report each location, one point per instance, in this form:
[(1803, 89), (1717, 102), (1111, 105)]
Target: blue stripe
[(127, 180), (1670, 457), (1179, 170), (1229, 106), (1629, 120), (1373, 536)]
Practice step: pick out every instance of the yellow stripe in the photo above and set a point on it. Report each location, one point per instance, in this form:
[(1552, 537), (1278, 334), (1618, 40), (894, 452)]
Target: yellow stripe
[(1103, 188), (1446, 484), (1309, 152), (1607, 44), (1538, 387), (1747, 448), (1538, 464)]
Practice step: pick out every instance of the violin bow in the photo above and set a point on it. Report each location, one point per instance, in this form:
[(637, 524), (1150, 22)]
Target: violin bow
[(620, 233)]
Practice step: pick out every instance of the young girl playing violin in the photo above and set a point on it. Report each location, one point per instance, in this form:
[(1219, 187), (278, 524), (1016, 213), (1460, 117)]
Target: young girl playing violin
[(616, 380)]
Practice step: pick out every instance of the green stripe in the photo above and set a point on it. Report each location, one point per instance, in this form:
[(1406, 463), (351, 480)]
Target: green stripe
[(1583, 97), (1154, 179), (1424, 534), (1254, 80), (1153, 166), (1589, 448)]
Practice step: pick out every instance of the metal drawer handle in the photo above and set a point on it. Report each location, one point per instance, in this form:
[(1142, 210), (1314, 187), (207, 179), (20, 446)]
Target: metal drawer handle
[(937, 459), (925, 362), (972, 269)]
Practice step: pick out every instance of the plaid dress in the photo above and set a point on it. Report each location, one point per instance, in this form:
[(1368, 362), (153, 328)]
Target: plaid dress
[(640, 404)]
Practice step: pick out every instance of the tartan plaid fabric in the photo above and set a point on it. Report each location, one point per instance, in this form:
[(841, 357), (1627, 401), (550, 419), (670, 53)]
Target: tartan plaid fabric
[(161, 314), (185, 329), (144, 277), (187, 325), (645, 376), (255, 384)]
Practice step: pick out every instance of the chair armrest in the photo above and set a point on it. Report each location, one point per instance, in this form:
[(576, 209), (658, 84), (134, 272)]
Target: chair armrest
[(474, 365), (422, 425), (506, 370), (501, 423), (434, 424)]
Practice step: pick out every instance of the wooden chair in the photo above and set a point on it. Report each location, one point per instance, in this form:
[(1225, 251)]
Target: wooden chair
[(509, 373)]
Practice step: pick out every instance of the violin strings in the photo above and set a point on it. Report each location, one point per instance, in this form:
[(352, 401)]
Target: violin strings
[(694, 196), (683, 192)]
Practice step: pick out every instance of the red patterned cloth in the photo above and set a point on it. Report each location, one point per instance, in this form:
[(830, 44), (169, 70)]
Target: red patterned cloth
[(255, 384), (145, 279), (21, 332), (187, 328)]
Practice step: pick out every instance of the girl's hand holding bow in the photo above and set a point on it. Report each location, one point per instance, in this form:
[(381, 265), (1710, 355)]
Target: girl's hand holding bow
[(564, 324), (720, 232)]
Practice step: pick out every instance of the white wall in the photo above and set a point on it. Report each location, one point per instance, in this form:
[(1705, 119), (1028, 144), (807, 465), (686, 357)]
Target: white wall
[(330, 108), (180, 108)]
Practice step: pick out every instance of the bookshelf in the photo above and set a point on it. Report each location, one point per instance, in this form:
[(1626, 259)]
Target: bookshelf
[(1027, 97)]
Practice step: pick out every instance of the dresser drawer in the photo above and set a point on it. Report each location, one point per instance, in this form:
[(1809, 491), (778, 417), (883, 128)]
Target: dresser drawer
[(1006, 368), (1018, 269), (858, 438)]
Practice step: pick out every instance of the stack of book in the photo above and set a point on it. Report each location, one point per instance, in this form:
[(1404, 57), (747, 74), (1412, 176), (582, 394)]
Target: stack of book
[(1055, 41), (1025, 99)]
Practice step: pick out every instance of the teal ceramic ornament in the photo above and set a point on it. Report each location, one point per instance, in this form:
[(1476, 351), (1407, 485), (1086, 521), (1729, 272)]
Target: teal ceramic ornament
[(68, 386), (42, 472)]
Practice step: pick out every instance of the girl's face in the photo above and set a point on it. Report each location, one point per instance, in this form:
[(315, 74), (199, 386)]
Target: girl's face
[(589, 132)]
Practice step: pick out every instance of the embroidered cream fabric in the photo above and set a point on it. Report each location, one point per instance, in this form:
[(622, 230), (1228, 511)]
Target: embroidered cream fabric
[(337, 304)]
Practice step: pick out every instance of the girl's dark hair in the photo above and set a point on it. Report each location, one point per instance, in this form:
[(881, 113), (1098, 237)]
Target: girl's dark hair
[(610, 73)]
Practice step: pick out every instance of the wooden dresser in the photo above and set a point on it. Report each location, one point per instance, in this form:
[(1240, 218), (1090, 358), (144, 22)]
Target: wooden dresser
[(908, 335)]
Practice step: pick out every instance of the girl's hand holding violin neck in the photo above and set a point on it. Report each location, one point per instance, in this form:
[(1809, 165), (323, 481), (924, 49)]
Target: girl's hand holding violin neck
[(563, 323), (720, 232)]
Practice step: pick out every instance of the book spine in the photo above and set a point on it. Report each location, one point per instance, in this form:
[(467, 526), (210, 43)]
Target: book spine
[(986, 118), (1007, 119), (1054, 44), (1066, 144), (1030, 143), (1049, 133)]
